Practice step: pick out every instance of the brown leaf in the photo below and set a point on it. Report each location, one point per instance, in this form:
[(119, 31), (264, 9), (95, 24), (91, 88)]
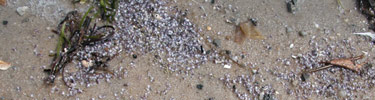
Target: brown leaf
[(3, 2), (4, 65)]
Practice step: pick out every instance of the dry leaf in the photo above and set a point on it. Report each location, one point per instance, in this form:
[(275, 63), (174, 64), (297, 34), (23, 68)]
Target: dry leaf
[(250, 31), (4, 65), (247, 30), (3, 2)]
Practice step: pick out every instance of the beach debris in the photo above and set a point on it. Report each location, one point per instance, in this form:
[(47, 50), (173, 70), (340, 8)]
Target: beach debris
[(348, 63), (22, 10), (3, 2), (227, 66), (4, 65), (74, 38), (247, 30), (368, 34)]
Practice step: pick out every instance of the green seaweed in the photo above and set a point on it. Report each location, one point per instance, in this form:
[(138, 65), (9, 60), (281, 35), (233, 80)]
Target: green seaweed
[(84, 17), (61, 40)]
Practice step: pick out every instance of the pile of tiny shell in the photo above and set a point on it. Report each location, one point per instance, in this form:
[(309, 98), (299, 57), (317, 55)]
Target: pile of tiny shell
[(149, 26), (142, 27)]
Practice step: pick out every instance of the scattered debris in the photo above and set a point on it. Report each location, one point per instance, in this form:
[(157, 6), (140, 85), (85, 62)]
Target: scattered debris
[(22, 10), (369, 34), (247, 30), (3, 2), (348, 63), (4, 65)]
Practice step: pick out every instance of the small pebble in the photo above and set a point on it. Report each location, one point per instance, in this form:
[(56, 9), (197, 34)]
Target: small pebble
[(5, 22), (22, 10), (289, 30), (302, 33), (209, 28), (134, 56), (200, 86)]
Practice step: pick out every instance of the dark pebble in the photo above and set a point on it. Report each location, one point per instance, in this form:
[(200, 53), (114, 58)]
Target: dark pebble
[(134, 56), (200, 86), (5, 22), (228, 52), (254, 21), (211, 98), (305, 76), (234, 87), (212, 1)]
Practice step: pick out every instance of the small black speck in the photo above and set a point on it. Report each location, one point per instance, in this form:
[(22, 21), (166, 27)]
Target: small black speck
[(134, 56), (234, 87), (212, 1), (5, 22), (228, 52), (200, 86), (254, 21)]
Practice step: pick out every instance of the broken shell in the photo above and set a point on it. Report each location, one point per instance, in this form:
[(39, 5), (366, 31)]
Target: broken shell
[(4, 65), (86, 63), (227, 66)]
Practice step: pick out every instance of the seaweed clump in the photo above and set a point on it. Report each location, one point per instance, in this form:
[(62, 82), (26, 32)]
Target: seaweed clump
[(89, 45)]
